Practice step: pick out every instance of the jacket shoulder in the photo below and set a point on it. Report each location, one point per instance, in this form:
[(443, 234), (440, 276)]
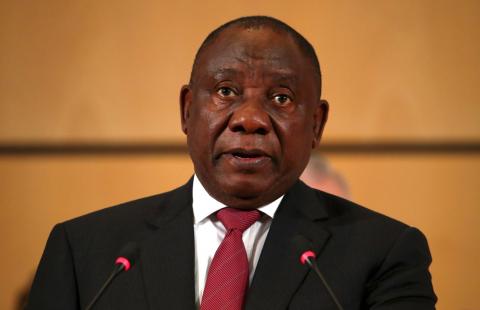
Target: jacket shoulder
[(343, 210), (112, 227), (134, 210)]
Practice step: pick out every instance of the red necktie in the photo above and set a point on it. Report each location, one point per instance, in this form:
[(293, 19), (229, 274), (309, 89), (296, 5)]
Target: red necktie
[(227, 278)]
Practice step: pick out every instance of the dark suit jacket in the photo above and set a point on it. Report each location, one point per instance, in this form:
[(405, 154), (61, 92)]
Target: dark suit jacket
[(369, 260)]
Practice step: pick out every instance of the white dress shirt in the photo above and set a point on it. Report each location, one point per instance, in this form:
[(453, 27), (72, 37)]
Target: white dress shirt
[(209, 233)]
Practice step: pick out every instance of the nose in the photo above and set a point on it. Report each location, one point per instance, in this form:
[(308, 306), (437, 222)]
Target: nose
[(250, 117)]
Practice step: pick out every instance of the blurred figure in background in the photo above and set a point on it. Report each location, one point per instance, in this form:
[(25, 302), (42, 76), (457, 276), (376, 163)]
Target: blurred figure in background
[(321, 175)]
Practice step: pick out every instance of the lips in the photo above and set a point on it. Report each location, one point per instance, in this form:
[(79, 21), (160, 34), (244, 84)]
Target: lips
[(246, 159), (245, 154)]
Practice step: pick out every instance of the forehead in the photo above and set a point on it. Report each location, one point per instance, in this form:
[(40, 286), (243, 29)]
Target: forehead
[(257, 48)]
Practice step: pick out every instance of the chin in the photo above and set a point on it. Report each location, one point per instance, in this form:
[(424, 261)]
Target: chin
[(249, 195), (246, 185), (243, 201)]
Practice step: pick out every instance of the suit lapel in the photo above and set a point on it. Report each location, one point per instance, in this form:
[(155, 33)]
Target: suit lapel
[(279, 271), (167, 255)]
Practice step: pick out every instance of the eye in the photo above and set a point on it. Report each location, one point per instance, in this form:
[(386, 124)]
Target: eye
[(282, 99), (226, 92)]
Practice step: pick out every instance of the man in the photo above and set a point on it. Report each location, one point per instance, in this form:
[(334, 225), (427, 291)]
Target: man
[(252, 113)]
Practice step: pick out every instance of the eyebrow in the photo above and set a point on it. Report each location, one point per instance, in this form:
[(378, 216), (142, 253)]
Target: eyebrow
[(286, 78), (223, 72), (278, 76)]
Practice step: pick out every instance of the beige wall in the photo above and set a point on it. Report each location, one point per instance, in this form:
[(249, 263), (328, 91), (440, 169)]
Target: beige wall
[(110, 71)]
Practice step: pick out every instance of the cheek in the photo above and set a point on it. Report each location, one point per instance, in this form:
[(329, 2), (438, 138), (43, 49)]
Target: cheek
[(205, 125), (296, 129), (296, 139)]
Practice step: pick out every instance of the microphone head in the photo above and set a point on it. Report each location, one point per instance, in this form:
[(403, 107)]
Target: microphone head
[(128, 255), (303, 247), (306, 256)]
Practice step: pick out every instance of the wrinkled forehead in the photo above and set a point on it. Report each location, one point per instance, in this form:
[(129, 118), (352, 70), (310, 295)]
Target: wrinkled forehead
[(254, 49)]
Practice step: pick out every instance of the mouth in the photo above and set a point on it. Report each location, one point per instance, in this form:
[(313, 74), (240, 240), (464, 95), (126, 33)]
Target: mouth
[(246, 159), (247, 154)]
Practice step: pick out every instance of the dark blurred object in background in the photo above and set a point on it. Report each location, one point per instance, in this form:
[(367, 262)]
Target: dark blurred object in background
[(22, 295)]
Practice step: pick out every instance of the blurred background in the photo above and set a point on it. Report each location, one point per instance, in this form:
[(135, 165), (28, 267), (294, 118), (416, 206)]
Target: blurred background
[(89, 114)]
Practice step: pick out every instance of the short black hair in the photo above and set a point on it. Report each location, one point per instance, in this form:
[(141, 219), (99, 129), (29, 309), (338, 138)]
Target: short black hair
[(257, 22)]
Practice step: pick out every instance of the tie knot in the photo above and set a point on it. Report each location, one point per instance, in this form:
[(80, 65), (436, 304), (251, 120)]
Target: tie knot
[(237, 219)]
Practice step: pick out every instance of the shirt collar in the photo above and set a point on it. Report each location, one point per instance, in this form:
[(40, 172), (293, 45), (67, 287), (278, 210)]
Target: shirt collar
[(204, 204)]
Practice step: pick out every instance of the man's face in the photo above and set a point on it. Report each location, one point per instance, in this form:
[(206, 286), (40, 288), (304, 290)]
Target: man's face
[(251, 115)]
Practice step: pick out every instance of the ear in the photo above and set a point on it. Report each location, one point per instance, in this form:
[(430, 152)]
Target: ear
[(320, 116), (185, 103)]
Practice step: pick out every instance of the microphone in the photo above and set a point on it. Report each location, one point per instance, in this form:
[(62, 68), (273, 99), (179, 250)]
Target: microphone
[(125, 260), (308, 257)]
